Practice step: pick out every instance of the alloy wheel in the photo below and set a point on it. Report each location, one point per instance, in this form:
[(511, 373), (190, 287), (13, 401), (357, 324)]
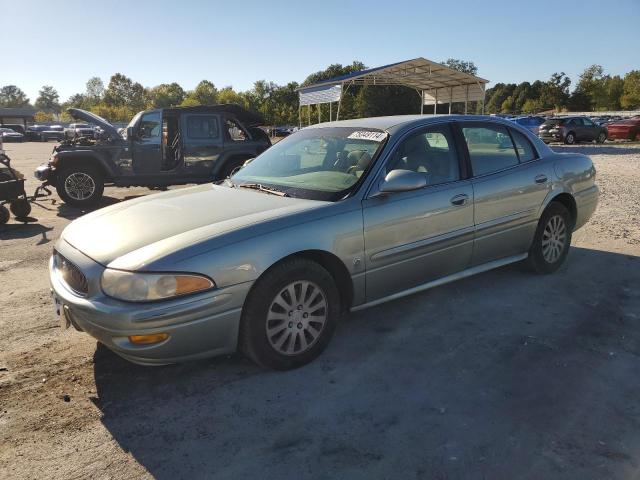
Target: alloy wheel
[(554, 238), (296, 317), (79, 186)]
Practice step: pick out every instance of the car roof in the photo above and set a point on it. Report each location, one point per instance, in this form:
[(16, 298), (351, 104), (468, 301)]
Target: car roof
[(395, 123)]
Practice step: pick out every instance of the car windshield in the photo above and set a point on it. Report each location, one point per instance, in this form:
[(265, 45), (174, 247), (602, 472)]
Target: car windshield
[(316, 163)]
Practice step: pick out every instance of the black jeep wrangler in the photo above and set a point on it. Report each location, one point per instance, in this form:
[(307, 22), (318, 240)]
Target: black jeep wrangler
[(169, 146)]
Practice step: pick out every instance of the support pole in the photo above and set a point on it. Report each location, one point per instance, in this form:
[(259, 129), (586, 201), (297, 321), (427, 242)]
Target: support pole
[(435, 103), (309, 114), (484, 92), (340, 101), (319, 110), (299, 116), (330, 115), (450, 99), (466, 99), (421, 102)]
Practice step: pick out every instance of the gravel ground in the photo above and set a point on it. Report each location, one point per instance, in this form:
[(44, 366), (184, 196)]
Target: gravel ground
[(501, 375)]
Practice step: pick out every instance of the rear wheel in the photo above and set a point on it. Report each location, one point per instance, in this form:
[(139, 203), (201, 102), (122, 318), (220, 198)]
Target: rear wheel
[(231, 167), (552, 239), (80, 186), (570, 138), (290, 315)]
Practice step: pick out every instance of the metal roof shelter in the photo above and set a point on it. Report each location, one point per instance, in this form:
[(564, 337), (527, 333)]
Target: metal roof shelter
[(436, 84)]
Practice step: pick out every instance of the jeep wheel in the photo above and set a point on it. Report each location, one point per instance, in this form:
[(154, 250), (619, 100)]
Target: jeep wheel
[(231, 167), (80, 186), (4, 215)]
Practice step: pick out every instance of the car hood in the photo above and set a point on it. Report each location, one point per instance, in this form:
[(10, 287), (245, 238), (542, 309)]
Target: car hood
[(89, 117), (185, 216)]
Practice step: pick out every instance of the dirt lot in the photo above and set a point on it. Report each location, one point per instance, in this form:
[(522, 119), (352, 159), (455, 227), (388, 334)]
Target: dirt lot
[(504, 375)]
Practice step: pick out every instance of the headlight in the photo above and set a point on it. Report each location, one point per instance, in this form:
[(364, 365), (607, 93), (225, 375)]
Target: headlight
[(145, 287)]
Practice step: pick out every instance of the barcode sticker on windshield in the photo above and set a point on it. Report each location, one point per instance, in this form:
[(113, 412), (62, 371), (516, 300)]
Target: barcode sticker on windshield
[(366, 135)]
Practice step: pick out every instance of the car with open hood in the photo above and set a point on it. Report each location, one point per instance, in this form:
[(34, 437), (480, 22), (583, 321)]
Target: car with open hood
[(158, 148), (335, 217)]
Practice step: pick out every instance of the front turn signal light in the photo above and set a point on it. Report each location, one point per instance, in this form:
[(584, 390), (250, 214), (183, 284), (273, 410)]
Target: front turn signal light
[(148, 339)]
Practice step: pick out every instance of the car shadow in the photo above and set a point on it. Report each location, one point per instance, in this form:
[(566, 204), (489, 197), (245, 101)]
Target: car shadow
[(473, 376), (71, 213), (596, 149)]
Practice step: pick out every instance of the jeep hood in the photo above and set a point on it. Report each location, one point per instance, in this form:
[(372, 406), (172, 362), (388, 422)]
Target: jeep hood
[(89, 117), (151, 227)]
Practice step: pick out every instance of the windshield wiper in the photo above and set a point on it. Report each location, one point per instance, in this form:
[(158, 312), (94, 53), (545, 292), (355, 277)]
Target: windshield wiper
[(262, 188)]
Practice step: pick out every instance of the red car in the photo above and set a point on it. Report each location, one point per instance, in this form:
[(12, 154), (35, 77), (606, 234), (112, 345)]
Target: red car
[(627, 129)]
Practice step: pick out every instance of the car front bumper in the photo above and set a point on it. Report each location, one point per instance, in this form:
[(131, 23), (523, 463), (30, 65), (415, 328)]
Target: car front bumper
[(197, 326), (44, 172)]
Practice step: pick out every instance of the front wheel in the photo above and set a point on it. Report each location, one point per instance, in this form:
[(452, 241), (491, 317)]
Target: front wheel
[(80, 186), (290, 315), (552, 240), (602, 137)]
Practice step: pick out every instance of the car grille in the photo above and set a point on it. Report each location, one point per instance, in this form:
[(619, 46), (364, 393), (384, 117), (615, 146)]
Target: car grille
[(71, 274)]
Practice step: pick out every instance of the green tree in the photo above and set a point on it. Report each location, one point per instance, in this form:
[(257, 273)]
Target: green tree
[(12, 97), (122, 91), (631, 90), (531, 106), (205, 93), (167, 95), (461, 65), (48, 100), (94, 91), (555, 92)]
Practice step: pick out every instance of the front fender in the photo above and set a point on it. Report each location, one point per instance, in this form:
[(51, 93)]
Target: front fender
[(69, 157)]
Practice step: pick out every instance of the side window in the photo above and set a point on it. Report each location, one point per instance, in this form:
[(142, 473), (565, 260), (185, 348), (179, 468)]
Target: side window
[(235, 131), (150, 127), (525, 149), (203, 127), (490, 148), (430, 152), (587, 122)]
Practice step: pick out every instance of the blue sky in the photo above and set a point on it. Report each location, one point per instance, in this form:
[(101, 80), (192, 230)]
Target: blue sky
[(63, 43)]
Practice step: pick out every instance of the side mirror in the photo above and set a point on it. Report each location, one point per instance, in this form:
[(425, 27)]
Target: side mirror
[(402, 181), (130, 133)]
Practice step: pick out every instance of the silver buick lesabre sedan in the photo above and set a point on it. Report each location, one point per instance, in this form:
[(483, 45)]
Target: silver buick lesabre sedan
[(336, 217)]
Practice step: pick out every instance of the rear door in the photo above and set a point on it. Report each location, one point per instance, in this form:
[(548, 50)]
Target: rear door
[(509, 183), (418, 236), (590, 130), (203, 142), (145, 148)]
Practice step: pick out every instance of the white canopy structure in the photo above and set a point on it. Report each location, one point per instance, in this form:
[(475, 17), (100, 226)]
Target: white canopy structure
[(436, 84)]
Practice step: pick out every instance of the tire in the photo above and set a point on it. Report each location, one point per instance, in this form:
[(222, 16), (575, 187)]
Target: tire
[(20, 208), (4, 215), (545, 254), (302, 338), (231, 167), (570, 138), (89, 185), (602, 137)]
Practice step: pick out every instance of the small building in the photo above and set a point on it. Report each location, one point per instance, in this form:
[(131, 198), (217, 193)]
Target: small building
[(17, 116)]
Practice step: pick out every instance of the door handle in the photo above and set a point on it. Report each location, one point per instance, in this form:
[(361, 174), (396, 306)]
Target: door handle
[(460, 200), (541, 178)]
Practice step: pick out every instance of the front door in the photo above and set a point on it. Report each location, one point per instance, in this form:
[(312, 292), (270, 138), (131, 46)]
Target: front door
[(202, 140), (510, 184), (417, 236), (145, 149)]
